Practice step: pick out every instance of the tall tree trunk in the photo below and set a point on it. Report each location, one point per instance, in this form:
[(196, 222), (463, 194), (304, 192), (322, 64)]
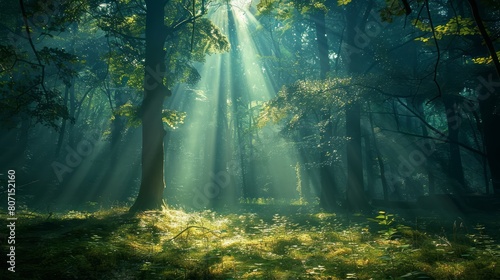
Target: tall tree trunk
[(327, 182), (150, 195), (356, 199), (218, 192), (240, 107), (489, 104)]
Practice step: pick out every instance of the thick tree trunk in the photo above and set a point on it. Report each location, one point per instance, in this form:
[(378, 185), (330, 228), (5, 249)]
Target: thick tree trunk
[(328, 189), (489, 105), (150, 195), (219, 192), (356, 199), (320, 25), (491, 118)]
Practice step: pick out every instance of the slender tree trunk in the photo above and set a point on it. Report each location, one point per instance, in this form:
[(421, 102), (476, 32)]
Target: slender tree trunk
[(118, 123), (370, 173), (240, 107), (484, 33), (22, 142), (72, 111), (428, 163), (385, 188), (150, 195), (62, 131)]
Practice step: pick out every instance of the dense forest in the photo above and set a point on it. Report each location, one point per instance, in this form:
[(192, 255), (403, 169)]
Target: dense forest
[(240, 139)]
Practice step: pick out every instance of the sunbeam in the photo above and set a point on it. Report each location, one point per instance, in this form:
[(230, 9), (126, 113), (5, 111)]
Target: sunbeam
[(221, 160)]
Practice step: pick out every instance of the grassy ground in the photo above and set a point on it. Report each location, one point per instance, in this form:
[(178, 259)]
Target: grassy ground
[(257, 243)]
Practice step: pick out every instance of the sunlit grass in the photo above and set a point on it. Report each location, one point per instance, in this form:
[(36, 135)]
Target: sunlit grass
[(173, 244)]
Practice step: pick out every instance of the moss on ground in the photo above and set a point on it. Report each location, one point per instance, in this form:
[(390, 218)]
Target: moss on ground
[(273, 244)]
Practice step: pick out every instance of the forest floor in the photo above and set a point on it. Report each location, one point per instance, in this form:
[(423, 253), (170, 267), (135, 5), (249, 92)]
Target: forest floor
[(261, 242)]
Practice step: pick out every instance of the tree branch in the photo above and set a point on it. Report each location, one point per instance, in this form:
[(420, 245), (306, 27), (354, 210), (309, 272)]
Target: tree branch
[(185, 21), (407, 7), (482, 29), (28, 33), (444, 140), (190, 227)]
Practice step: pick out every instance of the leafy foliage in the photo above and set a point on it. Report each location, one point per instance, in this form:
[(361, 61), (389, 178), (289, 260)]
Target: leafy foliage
[(184, 45), (455, 26), (173, 118), (300, 99), (343, 2), (392, 9), (23, 93), (170, 118), (484, 60)]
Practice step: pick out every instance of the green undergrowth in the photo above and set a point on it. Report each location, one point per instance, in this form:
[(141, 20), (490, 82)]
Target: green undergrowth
[(272, 244)]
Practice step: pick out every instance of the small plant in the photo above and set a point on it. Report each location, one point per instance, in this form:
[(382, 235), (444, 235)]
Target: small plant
[(383, 218)]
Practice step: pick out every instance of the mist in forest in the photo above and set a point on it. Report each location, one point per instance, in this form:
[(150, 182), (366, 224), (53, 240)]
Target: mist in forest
[(132, 131)]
